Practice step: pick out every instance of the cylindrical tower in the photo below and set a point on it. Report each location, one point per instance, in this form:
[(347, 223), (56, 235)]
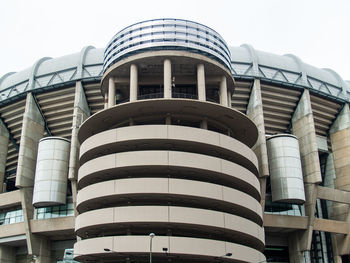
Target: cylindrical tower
[(286, 174), (50, 187), (171, 157)]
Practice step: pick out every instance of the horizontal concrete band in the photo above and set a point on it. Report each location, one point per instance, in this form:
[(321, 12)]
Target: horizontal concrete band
[(240, 230), (240, 126), (182, 191), (152, 162), (195, 247), (147, 137), (10, 199)]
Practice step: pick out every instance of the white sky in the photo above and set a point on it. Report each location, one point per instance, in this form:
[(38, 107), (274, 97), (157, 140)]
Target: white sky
[(317, 31)]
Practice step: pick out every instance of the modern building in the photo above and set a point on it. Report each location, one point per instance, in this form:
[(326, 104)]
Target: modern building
[(170, 146)]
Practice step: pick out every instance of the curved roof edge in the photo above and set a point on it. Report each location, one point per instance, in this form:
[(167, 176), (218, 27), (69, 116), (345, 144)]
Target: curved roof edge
[(247, 63)]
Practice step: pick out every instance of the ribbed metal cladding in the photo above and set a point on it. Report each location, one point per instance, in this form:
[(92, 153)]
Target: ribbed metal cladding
[(167, 34), (286, 174), (196, 189)]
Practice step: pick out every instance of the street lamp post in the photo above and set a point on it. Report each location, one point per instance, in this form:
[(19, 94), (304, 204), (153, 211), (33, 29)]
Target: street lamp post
[(151, 236)]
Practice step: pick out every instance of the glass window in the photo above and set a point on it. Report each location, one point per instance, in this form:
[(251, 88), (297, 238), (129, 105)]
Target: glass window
[(54, 211), (11, 217)]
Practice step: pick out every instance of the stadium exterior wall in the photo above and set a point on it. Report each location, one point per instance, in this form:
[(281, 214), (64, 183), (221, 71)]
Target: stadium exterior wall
[(168, 129)]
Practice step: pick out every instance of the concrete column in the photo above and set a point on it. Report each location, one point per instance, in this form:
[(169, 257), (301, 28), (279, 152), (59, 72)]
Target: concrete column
[(133, 82), (32, 131), (304, 129), (7, 254), (105, 104), (81, 112), (255, 113), (340, 139), (329, 180), (44, 255), (111, 92), (4, 142), (229, 98), (295, 254), (204, 124), (168, 119), (201, 82), (223, 91), (167, 79)]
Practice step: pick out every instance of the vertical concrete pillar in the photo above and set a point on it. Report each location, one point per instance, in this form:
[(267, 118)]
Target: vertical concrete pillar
[(32, 131), (81, 112), (329, 181), (295, 253), (133, 82), (7, 254), (229, 98), (111, 92), (44, 255), (201, 82), (304, 129), (168, 119), (105, 104), (340, 139), (255, 113), (4, 142), (204, 124), (223, 91), (167, 79)]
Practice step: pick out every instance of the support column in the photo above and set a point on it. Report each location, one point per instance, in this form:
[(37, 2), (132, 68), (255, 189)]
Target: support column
[(204, 124), (295, 253), (133, 82), (255, 113), (201, 82), (33, 127), (229, 98), (167, 79), (340, 139), (168, 119), (4, 142), (44, 255), (111, 92), (223, 91), (304, 129), (81, 112), (7, 254), (105, 104)]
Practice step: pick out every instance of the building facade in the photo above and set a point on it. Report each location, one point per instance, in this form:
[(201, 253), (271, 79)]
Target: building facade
[(172, 146)]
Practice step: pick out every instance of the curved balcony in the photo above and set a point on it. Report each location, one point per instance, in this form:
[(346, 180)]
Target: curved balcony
[(168, 137), (180, 249), (226, 119), (163, 191), (181, 221)]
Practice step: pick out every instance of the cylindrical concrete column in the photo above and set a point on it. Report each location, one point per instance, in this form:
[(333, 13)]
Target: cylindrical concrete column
[(201, 82), (167, 78), (133, 82), (229, 98), (111, 93), (105, 105), (223, 91)]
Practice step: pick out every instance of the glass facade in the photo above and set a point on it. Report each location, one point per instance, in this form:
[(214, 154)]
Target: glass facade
[(54, 211), (11, 217), (278, 208)]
